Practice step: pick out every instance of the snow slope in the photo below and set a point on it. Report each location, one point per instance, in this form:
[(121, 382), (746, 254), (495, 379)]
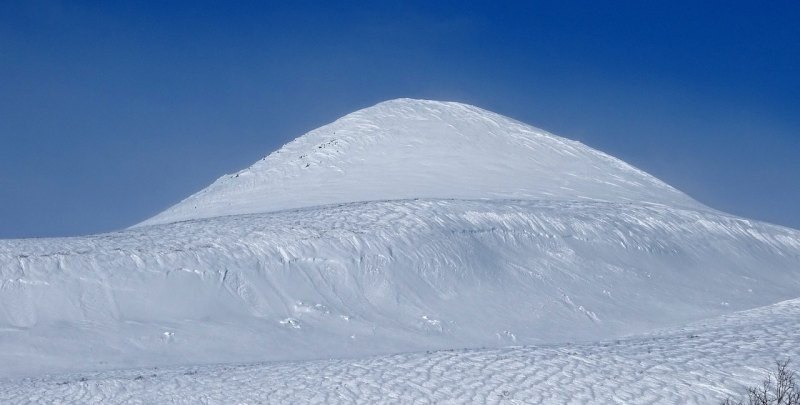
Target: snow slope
[(380, 277), (702, 363), (417, 225), (402, 149)]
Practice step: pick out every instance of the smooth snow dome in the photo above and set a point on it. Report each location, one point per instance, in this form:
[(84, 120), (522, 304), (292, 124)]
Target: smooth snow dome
[(404, 148)]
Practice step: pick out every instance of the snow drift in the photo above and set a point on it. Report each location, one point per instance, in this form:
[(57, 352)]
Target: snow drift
[(411, 225)]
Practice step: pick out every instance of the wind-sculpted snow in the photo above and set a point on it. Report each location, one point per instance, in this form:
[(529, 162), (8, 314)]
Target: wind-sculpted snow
[(379, 277), (699, 364), (406, 148)]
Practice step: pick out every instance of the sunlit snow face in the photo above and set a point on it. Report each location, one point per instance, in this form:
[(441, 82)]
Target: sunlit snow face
[(405, 149)]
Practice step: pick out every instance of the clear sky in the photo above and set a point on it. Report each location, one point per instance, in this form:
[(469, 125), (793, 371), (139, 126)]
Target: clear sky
[(113, 111)]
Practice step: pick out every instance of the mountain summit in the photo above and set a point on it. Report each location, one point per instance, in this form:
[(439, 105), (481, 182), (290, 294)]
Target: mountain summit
[(406, 148)]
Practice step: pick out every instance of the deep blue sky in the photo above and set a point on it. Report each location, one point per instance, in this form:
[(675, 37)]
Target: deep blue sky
[(111, 112)]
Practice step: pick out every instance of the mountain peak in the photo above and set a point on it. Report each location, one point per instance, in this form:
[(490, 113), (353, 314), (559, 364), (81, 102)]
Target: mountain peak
[(408, 148)]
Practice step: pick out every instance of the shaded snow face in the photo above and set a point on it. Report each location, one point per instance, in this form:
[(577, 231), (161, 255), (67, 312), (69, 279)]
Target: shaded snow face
[(406, 148)]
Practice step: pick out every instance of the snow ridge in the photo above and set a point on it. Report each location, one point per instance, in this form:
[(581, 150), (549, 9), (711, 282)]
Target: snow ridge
[(380, 277)]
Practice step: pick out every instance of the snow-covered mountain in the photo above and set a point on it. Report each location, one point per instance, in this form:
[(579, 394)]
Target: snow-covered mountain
[(405, 149), (411, 225)]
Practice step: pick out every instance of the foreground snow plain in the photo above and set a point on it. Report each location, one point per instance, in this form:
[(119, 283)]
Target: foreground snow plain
[(702, 363), (410, 226)]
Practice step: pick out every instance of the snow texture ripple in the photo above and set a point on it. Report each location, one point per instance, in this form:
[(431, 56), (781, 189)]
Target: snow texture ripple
[(701, 363)]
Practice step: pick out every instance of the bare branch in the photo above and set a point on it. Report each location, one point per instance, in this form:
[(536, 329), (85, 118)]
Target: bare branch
[(778, 388)]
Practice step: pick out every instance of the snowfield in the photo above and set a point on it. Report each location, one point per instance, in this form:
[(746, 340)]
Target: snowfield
[(701, 363), (408, 227)]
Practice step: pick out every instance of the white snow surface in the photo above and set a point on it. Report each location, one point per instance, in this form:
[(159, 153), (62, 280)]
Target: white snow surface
[(702, 363), (406, 227), (404, 148), (379, 277)]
